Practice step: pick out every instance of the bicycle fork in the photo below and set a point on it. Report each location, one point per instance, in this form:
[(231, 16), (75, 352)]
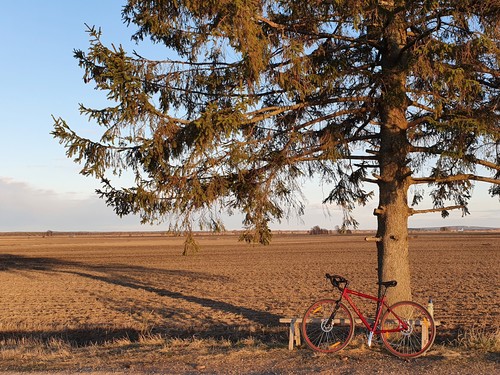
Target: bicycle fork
[(334, 312)]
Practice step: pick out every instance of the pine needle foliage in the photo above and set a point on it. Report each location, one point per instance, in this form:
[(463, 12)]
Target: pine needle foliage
[(255, 96)]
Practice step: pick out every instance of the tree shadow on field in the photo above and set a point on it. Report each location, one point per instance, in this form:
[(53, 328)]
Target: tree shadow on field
[(135, 278), (79, 337), (10, 262), (256, 316)]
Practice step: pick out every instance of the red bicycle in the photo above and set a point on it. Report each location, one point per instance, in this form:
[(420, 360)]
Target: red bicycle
[(407, 329)]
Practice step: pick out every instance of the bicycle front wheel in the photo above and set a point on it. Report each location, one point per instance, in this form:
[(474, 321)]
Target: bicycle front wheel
[(415, 336), (325, 331)]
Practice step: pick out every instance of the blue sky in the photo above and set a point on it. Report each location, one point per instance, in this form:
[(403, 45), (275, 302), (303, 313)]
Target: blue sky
[(40, 189)]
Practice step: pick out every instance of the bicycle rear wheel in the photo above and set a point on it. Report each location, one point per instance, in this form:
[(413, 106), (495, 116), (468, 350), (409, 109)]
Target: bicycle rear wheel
[(419, 335), (323, 334)]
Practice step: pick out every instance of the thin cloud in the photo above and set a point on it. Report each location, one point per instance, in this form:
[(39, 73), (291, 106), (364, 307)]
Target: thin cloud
[(26, 208)]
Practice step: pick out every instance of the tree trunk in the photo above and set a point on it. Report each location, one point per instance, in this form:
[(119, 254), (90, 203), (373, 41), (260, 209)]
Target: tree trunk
[(393, 212)]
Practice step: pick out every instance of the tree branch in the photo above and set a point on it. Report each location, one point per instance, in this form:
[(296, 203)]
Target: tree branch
[(436, 151), (426, 150), (418, 121), (423, 107), (488, 164), (311, 156), (440, 209), (458, 177)]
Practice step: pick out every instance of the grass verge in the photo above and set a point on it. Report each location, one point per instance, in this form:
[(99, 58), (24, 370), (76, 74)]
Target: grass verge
[(480, 338)]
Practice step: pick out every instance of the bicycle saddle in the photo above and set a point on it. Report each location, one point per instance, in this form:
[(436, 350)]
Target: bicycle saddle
[(388, 284)]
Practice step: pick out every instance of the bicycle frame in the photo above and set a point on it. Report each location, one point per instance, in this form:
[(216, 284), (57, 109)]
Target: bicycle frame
[(406, 328), (346, 292)]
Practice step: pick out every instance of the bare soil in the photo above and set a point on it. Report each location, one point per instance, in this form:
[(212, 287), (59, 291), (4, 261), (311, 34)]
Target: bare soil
[(133, 304)]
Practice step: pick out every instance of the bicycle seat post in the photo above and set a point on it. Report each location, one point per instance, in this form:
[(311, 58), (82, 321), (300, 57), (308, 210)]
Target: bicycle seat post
[(384, 288), (382, 294)]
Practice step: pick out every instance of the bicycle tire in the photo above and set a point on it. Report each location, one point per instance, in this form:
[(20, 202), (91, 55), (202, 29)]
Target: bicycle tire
[(327, 339), (412, 342)]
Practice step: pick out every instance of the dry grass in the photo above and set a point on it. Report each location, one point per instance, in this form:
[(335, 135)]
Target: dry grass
[(128, 303), (480, 338)]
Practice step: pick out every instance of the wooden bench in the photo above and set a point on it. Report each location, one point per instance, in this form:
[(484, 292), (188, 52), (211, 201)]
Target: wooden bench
[(294, 330), (294, 338)]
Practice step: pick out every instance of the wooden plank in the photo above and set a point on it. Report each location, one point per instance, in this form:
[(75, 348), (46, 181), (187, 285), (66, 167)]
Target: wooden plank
[(357, 321), (290, 336), (425, 333), (296, 327), (317, 320)]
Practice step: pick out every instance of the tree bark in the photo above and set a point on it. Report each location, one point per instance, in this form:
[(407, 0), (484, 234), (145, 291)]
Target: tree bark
[(393, 212), (394, 181)]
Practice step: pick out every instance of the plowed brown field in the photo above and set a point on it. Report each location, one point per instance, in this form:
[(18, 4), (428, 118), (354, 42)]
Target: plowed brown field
[(92, 289)]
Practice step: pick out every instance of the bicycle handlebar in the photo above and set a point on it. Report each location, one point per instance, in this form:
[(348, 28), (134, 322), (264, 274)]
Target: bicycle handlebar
[(336, 280)]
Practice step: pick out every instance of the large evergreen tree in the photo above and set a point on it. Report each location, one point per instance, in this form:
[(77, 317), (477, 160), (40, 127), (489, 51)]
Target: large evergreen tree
[(263, 94)]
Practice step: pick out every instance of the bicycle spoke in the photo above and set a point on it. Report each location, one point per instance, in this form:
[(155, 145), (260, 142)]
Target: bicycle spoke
[(416, 337), (323, 334)]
